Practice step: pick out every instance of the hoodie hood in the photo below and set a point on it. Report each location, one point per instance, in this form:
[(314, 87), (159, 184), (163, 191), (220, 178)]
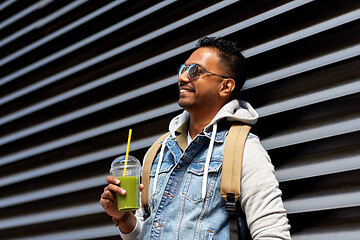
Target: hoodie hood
[(233, 111)]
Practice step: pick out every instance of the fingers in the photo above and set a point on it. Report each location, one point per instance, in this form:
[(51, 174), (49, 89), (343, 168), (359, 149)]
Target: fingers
[(112, 180), (107, 198), (105, 203), (107, 194), (116, 189), (114, 185)]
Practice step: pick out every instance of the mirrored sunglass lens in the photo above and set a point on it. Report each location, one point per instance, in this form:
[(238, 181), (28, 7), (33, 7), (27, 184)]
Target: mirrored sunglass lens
[(182, 68), (193, 71)]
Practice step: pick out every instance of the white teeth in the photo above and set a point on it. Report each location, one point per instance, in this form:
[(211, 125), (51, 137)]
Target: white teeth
[(183, 90)]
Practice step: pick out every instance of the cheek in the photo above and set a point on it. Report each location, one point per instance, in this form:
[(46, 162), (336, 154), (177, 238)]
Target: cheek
[(206, 89)]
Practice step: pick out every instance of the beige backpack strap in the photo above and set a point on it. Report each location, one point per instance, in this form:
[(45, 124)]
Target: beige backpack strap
[(232, 162), (148, 161)]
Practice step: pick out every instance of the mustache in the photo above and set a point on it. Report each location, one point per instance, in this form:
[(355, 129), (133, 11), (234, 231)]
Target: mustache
[(186, 87)]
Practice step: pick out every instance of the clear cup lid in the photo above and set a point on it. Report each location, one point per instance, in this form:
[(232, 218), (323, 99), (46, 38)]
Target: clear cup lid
[(120, 163)]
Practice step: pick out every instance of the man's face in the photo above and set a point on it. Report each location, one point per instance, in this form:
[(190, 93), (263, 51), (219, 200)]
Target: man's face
[(202, 92)]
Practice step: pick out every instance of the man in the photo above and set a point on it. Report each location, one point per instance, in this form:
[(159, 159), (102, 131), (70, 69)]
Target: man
[(185, 203)]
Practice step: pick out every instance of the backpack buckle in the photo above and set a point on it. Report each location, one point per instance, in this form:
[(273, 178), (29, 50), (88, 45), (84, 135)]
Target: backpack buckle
[(146, 211), (230, 203)]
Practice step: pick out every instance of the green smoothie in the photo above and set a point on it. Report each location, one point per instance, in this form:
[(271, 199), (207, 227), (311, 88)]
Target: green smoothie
[(129, 201)]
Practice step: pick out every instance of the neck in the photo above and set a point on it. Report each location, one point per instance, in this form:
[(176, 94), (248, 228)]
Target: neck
[(199, 121)]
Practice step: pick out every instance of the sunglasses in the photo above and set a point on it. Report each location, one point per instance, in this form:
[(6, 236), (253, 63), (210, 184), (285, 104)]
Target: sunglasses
[(193, 71)]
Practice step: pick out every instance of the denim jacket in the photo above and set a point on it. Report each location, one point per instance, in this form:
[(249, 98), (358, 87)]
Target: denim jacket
[(178, 209)]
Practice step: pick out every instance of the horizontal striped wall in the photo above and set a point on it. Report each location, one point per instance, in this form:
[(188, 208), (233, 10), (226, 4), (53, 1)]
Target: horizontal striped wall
[(76, 75)]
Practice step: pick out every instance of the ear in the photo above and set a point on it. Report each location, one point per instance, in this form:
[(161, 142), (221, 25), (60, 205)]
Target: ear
[(227, 87)]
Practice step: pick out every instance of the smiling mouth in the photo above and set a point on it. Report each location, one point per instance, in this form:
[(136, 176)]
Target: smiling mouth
[(184, 90)]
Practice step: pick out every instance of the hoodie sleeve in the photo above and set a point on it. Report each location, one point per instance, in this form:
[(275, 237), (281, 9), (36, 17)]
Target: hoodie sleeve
[(260, 195), (137, 230)]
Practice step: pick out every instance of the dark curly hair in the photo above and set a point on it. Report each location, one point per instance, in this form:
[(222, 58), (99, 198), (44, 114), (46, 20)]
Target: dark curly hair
[(231, 57)]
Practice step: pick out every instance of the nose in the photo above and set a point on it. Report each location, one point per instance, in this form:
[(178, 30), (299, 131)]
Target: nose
[(183, 78)]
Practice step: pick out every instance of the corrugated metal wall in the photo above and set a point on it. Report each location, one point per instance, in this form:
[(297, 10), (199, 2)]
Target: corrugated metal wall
[(76, 75)]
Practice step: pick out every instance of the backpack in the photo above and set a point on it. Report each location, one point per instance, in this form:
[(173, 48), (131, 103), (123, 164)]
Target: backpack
[(230, 177)]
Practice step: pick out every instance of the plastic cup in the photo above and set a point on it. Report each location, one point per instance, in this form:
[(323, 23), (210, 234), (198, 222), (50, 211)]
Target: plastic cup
[(128, 172)]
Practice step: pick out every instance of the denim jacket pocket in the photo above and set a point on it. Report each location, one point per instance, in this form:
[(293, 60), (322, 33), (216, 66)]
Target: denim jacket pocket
[(195, 179)]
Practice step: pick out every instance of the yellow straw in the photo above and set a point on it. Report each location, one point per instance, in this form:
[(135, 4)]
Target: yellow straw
[(127, 151)]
